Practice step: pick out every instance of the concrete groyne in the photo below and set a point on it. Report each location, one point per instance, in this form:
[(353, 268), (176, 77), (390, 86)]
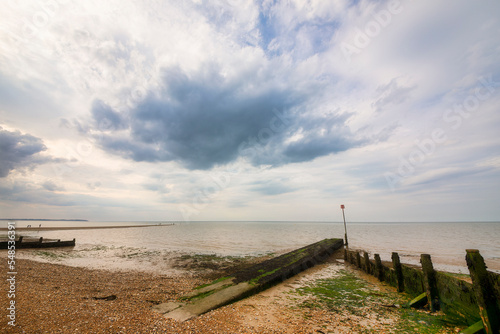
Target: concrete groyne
[(249, 281)]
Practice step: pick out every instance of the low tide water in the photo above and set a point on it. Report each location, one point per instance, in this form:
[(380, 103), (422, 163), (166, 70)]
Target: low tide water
[(445, 242)]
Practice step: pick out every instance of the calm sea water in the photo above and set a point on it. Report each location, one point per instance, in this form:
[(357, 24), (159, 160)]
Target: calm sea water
[(446, 242)]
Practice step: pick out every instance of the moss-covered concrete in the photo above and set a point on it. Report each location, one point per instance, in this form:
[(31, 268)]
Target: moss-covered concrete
[(284, 266), (251, 280)]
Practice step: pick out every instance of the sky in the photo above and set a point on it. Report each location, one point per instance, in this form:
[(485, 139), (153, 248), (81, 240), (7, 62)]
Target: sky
[(250, 110)]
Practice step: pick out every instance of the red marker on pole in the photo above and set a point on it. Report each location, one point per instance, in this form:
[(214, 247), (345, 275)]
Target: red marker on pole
[(342, 206)]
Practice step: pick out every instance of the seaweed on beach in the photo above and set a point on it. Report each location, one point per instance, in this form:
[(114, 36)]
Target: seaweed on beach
[(215, 266), (347, 295)]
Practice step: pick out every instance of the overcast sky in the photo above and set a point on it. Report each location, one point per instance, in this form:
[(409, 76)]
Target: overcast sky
[(250, 110)]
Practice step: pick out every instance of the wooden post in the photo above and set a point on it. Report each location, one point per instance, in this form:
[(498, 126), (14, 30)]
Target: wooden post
[(345, 255), (379, 268), (367, 263), (430, 282), (483, 289), (396, 264), (358, 260), (20, 239), (342, 206), (41, 239)]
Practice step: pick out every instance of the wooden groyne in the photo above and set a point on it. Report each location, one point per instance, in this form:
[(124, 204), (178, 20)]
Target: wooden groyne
[(249, 281), (38, 243), (475, 304)]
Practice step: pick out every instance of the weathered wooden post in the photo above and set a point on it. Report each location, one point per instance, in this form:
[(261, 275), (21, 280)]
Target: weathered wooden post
[(41, 240), (367, 263), (358, 260), (396, 264), (483, 289), (342, 206), (345, 255), (351, 257), (430, 282), (379, 268)]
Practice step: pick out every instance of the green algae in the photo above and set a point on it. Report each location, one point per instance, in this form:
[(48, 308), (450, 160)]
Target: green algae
[(213, 282), (350, 295)]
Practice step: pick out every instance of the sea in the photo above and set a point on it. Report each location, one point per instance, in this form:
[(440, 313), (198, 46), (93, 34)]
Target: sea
[(446, 242)]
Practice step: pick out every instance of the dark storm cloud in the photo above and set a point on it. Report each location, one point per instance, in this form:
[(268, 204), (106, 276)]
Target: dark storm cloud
[(314, 147), (306, 139), (18, 151), (321, 136), (204, 120)]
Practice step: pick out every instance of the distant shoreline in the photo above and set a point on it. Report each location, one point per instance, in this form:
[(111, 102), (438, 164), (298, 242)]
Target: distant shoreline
[(54, 228), (45, 220)]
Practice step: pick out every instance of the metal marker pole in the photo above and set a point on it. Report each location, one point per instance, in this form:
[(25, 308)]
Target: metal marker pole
[(342, 206)]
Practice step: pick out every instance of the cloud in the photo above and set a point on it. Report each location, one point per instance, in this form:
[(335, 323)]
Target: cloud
[(106, 118), (273, 187), (157, 187), (52, 186), (93, 185), (296, 28), (448, 175), (20, 151), (20, 191), (322, 136), (205, 119), (393, 94)]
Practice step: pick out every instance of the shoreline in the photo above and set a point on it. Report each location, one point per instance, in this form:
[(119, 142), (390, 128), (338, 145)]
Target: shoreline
[(55, 228)]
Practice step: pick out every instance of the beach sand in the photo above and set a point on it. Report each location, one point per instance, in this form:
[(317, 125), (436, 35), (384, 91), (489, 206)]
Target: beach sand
[(55, 298)]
